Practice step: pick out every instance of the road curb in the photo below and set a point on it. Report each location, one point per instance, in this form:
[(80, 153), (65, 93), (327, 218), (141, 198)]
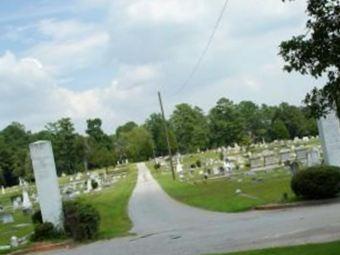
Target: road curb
[(41, 247), (297, 204)]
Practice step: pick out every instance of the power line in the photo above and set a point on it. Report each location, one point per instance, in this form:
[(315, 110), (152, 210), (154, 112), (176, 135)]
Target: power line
[(205, 50)]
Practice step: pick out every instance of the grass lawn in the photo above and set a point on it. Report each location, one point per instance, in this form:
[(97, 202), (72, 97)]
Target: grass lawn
[(21, 226), (219, 194), (112, 204), (332, 248)]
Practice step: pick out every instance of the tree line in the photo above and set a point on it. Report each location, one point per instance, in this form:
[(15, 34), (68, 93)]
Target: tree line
[(190, 129)]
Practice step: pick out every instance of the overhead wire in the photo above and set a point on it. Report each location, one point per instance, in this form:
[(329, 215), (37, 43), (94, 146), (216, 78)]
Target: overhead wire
[(204, 52)]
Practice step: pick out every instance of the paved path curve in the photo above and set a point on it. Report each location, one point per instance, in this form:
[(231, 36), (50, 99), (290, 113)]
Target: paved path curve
[(164, 226)]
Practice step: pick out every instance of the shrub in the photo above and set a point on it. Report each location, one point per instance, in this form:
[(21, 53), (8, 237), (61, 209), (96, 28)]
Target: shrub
[(45, 231), (94, 184), (317, 182), (81, 221), (37, 217), (157, 166), (198, 163)]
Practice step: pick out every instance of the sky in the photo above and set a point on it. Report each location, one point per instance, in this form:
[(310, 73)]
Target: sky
[(107, 58)]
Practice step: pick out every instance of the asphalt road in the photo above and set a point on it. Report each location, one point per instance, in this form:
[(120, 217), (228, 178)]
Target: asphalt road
[(164, 226)]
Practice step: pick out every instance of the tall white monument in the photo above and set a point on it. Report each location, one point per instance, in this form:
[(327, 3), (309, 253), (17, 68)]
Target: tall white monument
[(47, 182), (329, 130)]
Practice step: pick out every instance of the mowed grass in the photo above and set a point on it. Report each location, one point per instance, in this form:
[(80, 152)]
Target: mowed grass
[(22, 224), (332, 248), (112, 204), (220, 194)]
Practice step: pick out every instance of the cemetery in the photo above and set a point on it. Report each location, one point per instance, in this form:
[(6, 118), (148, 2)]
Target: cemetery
[(237, 178), (108, 190), (170, 127)]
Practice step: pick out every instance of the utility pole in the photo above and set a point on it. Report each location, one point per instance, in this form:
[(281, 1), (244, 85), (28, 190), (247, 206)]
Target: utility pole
[(167, 136)]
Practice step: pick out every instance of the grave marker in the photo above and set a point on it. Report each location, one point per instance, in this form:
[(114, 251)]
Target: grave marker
[(329, 129), (47, 182)]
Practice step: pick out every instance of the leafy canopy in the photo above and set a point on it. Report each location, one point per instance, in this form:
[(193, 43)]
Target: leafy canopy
[(317, 53)]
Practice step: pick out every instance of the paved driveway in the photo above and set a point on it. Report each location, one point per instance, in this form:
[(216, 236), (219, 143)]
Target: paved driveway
[(164, 226)]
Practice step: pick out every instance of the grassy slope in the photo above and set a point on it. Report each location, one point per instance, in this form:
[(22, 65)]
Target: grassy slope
[(219, 195), (112, 204), (332, 248), (16, 228)]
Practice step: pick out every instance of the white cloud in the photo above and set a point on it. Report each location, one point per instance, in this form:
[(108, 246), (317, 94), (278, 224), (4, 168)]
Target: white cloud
[(107, 58), (29, 94), (165, 11), (70, 45)]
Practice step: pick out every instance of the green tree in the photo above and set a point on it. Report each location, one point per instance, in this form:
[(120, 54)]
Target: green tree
[(94, 130), (294, 119), (7, 175), (138, 144), (226, 124), (154, 124), (280, 130), (190, 127), (317, 53), (254, 123), (64, 140), (127, 127)]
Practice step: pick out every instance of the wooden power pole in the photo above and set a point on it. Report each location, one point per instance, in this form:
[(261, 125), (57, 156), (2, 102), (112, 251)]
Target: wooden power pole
[(167, 136)]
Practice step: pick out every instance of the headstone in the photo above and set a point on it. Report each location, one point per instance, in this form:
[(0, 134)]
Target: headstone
[(89, 185), (179, 167), (285, 155), (3, 191), (7, 218), (227, 166), (256, 162), (21, 182), (47, 182), (301, 155), (305, 139), (271, 160), (14, 242), (313, 157), (329, 130), (26, 202), (17, 203), (215, 170)]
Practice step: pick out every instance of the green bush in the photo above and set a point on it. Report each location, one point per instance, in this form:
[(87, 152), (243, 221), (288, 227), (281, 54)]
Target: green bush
[(198, 163), (94, 184), (37, 217), (81, 221), (157, 166), (45, 231), (317, 182)]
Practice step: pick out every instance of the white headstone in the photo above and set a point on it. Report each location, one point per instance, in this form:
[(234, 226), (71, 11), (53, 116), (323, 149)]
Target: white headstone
[(179, 167), (47, 182), (313, 157), (26, 202), (3, 191), (89, 185), (329, 129), (14, 242)]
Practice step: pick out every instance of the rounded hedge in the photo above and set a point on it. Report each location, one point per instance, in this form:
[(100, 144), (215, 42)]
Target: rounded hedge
[(317, 182), (81, 221), (45, 231)]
